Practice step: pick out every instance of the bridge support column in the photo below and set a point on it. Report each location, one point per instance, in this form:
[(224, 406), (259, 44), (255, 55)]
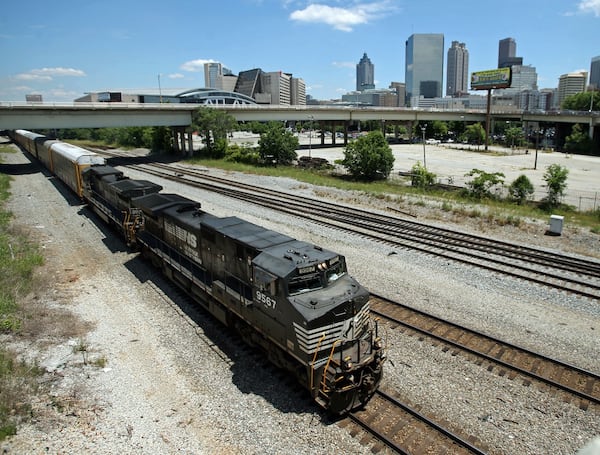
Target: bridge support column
[(190, 144), (175, 137), (333, 133), (346, 124)]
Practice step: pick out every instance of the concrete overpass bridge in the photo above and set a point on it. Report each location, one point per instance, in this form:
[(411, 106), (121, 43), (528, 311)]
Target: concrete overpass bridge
[(35, 116)]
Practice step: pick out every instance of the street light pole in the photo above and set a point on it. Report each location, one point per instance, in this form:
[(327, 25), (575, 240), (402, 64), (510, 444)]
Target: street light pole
[(310, 137), (423, 128), (159, 89)]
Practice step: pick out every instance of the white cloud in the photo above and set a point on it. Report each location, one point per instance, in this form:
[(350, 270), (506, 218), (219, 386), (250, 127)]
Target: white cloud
[(176, 76), (590, 6), (48, 74), (343, 19), (196, 66), (343, 64)]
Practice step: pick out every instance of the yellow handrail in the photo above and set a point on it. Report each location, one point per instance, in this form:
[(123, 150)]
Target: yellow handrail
[(327, 365)]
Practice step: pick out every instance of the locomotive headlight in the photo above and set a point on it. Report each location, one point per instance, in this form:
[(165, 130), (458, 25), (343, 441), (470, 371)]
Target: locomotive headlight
[(378, 344), (347, 363)]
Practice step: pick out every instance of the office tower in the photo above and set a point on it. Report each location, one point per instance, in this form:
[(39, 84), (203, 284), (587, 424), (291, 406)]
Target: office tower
[(400, 89), (507, 51), (424, 69), (365, 74), (595, 73), (298, 91), (524, 77), (248, 82), (457, 70), (213, 75), (278, 85), (571, 84)]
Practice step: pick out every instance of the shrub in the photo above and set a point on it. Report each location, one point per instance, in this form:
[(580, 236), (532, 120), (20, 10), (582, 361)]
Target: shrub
[(369, 157), (520, 189), (556, 181), (420, 176), (240, 154), (482, 183)]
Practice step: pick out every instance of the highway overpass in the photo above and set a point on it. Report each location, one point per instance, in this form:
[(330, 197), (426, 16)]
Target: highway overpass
[(35, 116)]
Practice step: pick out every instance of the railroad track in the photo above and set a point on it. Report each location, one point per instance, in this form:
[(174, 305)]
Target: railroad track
[(562, 272), (403, 429), (573, 383)]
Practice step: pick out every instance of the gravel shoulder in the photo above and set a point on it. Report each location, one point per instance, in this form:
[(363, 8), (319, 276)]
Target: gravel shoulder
[(148, 373)]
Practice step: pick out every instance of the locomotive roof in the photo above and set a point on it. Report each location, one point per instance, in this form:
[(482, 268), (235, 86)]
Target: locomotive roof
[(132, 188), (156, 203), (245, 232), (103, 171), (283, 259)]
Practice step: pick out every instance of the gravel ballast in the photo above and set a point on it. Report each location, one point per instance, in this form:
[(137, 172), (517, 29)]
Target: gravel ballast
[(159, 376)]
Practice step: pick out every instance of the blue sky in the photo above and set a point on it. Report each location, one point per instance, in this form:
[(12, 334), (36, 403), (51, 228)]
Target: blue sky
[(63, 48)]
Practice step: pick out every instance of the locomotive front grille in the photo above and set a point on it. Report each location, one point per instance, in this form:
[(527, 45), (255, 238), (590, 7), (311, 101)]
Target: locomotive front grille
[(309, 340)]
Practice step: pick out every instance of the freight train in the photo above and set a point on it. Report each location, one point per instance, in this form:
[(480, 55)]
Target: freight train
[(293, 300)]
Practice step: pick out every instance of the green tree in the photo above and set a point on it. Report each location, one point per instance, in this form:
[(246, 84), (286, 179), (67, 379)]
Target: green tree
[(582, 101), (420, 176), (440, 129), (578, 141), (214, 125), (556, 181), (482, 183), (514, 136), (475, 133), (162, 140), (369, 157), (277, 144), (520, 189)]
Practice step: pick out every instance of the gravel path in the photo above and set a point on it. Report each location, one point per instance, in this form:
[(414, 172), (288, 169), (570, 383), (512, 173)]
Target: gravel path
[(161, 377)]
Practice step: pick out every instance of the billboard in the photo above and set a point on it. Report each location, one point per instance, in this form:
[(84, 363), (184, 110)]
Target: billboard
[(485, 80), (33, 98)]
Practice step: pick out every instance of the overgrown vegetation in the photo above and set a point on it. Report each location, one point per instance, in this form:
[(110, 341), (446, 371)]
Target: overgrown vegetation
[(18, 259), (421, 177)]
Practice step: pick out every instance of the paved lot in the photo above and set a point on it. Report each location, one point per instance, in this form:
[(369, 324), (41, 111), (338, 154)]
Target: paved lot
[(450, 163)]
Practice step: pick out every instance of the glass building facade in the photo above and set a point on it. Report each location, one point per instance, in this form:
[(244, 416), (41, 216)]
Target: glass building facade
[(424, 71), (365, 74), (458, 70), (595, 73)]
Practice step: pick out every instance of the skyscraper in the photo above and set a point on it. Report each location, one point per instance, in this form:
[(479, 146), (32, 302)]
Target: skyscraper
[(595, 73), (365, 74), (424, 70), (213, 75), (457, 70), (507, 51), (571, 84)]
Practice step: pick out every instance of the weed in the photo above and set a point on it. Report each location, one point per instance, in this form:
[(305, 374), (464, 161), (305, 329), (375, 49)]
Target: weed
[(17, 380), (82, 347)]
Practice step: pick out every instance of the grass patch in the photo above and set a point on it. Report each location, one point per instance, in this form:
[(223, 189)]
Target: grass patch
[(504, 212), (18, 380), (18, 260)]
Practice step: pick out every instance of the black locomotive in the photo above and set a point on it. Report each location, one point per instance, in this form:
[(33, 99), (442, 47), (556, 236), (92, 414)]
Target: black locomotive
[(294, 300)]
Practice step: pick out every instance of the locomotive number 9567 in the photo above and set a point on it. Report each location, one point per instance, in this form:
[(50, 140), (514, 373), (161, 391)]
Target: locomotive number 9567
[(266, 300)]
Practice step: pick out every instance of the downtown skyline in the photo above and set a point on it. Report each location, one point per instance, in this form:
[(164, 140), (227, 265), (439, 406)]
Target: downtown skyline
[(63, 50)]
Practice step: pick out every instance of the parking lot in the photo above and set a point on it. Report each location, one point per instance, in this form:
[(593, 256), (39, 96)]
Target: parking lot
[(450, 163)]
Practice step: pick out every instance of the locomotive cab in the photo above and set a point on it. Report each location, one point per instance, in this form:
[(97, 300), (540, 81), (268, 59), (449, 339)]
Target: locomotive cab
[(332, 334)]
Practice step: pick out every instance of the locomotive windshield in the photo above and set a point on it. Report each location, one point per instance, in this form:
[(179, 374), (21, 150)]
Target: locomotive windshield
[(315, 277)]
